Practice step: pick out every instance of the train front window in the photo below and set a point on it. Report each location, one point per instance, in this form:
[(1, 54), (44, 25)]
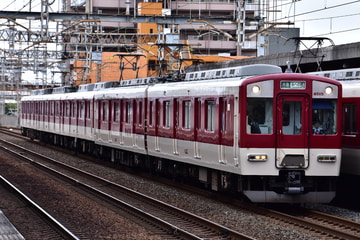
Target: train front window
[(259, 116), (291, 118), (324, 117)]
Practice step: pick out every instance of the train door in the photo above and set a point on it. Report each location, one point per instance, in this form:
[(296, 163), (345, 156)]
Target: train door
[(292, 143), (157, 124), (197, 127), (222, 129)]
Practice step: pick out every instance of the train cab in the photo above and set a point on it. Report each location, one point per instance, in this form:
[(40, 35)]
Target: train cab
[(290, 133)]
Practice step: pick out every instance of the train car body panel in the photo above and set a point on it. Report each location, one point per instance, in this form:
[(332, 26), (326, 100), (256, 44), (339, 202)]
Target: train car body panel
[(119, 118), (351, 127), (202, 112)]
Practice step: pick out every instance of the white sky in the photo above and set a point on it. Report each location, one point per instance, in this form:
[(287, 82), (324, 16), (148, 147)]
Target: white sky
[(338, 20)]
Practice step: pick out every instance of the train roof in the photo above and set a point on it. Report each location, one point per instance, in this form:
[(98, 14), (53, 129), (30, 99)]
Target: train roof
[(349, 74), (239, 71)]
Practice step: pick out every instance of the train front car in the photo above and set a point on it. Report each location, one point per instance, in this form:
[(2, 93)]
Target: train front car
[(290, 138)]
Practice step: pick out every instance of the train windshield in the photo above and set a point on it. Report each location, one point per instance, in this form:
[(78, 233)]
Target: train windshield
[(324, 117), (259, 116)]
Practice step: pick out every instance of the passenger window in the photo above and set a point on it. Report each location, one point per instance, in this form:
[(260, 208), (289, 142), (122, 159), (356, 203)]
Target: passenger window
[(349, 119), (67, 109), (81, 109), (105, 111), (167, 114), (128, 112), (74, 110), (140, 113), (187, 114), (52, 108), (87, 110), (224, 107), (151, 109), (324, 116), (210, 115), (116, 112), (259, 116)]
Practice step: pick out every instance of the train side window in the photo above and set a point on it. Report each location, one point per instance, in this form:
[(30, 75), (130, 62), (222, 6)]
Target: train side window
[(259, 116), (151, 112), (140, 112), (74, 110), (224, 107), (210, 115), (116, 112), (198, 114), (167, 111), (87, 109), (324, 113), (52, 108), (67, 109), (82, 110), (46, 108), (349, 119), (187, 114), (128, 114), (105, 107)]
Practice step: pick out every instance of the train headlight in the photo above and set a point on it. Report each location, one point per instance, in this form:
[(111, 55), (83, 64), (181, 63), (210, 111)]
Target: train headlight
[(257, 157), (255, 89), (329, 90), (326, 158)]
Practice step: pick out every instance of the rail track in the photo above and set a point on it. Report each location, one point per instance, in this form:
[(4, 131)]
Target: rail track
[(172, 221), (321, 224), (333, 225), (53, 229), (317, 224)]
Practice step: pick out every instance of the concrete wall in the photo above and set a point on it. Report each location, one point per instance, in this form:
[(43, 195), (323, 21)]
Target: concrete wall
[(9, 121)]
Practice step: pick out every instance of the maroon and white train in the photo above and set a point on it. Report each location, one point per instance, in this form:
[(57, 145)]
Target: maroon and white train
[(244, 129), (350, 80)]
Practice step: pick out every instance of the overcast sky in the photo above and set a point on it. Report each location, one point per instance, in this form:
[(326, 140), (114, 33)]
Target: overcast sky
[(338, 20)]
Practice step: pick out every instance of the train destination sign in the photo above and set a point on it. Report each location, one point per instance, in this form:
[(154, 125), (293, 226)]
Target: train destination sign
[(292, 85)]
